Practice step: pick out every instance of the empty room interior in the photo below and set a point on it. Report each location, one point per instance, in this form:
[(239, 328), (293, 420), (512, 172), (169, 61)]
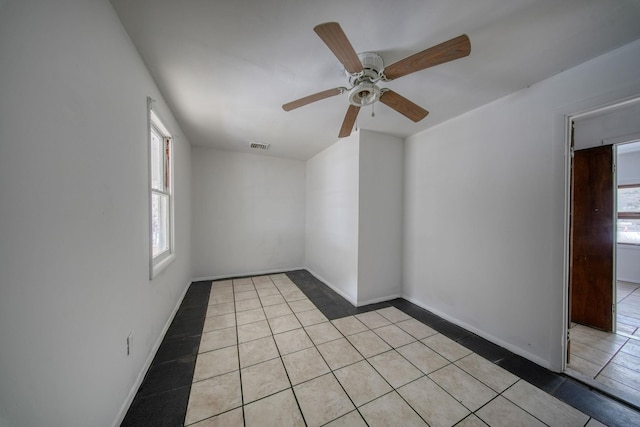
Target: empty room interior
[(341, 213)]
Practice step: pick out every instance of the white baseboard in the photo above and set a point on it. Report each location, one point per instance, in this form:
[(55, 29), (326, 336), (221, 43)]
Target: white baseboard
[(245, 274), (377, 300), (138, 382), (629, 281), (335, 289), (532, 357), (348, 298)]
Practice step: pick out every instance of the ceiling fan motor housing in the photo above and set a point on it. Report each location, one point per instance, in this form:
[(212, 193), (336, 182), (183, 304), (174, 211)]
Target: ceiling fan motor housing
[(364, 90)]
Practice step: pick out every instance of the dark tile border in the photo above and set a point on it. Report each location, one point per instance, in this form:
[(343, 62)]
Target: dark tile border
[(603, 408), (164, 393), (162, 398)]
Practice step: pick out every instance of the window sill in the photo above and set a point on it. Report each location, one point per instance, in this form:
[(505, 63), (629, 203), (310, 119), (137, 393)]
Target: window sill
[(631, 246), (156, 268)]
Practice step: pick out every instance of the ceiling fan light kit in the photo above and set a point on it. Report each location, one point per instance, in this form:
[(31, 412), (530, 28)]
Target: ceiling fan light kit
[(366, 69), (364, 90)]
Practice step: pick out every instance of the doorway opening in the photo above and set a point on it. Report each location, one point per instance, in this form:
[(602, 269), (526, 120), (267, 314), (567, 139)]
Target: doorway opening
[(603, 340)]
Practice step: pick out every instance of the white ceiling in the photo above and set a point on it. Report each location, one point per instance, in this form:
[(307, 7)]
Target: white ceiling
[(226, 66)]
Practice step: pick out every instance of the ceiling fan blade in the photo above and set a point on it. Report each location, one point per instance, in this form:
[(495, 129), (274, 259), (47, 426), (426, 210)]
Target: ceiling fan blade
[(332, 35), (403, 106), (349, 121), (312, 98), (458, 47)]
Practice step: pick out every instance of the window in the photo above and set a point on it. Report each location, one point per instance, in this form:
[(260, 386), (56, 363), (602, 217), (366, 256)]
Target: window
[(629, 214), (160, 194)]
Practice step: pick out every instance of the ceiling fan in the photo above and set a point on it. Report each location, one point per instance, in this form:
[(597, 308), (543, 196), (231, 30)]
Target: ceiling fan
[(365, 70)]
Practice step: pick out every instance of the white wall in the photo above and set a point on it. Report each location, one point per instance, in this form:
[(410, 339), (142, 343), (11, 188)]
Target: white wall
[(332, 193), (628, 165), (627, 256), (248, 213), (592, 129), (380, 217), (74, 227), (485, 200), (354, 216)]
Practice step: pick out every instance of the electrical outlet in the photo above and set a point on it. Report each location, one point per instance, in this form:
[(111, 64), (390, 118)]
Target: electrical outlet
[(129, 343)]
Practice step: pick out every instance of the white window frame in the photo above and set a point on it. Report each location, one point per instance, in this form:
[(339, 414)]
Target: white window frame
[(160, 261)]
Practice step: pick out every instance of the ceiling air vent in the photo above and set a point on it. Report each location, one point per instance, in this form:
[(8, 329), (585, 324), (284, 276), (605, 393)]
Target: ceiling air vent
[(259, 145)]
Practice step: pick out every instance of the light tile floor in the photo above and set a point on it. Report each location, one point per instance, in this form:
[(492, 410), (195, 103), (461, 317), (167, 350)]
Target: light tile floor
[(268, 357), (611, 361)]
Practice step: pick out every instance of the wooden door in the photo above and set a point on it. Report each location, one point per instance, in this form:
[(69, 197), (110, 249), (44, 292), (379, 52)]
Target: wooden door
[(592, 238)]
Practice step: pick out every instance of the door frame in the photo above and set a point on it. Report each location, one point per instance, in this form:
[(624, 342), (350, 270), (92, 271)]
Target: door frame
[(569, 120)]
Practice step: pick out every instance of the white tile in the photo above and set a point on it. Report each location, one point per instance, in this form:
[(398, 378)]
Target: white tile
[(368, 343), (240, 296), (585, 367), (446, 347), (394, 336), (489, 373), (222, 321), (311, 317), (249, 316), (267, 290), (261, 279), (213, 396), (422, 357), (322, 400), (372, 320), (257, 351), (263, 379), (292, 341), (220, 298), (616, 385), (352, 419), (253, 331), (590, 354), (272, 300), (218, 309), (463, 387), (217, 339), (395, 368), (221, 284), (248, 304), (301, 305), (543, 406), (232, 418), (349, 325), (243, 288), (416, 329), (216, 362), (362, 383), (339, 353), (393, 315), (471, 421), (284, 323), (622, 374), (279, 410), (390, 410), (433, 404), (304, 365), (502, 413), (323, 332), (293, 295), (277, 310)]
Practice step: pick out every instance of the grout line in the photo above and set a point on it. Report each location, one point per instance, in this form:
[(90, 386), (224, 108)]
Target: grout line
[(609, 361), (233, 292), (332, 371)]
